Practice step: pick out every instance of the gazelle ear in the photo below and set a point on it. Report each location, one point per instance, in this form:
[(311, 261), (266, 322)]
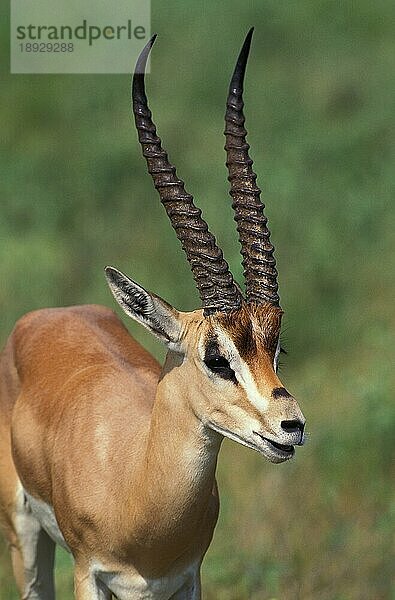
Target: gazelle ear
[(146, 308)]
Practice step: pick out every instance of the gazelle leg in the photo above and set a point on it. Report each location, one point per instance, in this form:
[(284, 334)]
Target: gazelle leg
[(86, 585), (16, 560), (32, 555)]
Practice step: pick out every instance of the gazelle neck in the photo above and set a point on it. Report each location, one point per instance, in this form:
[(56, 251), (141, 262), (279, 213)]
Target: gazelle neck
[(178, 488)]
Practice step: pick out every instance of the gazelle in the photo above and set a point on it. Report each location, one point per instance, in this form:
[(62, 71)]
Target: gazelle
[(113, 457)]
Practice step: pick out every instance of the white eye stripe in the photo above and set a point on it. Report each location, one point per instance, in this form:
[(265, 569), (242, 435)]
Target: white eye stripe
[(276, 355), (253, 394), (242, 372)]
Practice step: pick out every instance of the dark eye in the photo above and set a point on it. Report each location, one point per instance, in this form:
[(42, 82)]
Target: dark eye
[(217, 363), (220, 366)]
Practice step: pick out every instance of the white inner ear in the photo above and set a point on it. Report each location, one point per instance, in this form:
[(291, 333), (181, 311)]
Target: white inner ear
[(276, 355), (148, 309)]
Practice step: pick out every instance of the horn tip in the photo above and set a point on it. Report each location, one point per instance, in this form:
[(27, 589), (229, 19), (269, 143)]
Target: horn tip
[(143, 56), (153, 38), (246, 46), (237, 81)]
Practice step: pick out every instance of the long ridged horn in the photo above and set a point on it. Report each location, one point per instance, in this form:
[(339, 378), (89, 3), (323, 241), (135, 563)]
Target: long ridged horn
[(258, 261), (213, 278)]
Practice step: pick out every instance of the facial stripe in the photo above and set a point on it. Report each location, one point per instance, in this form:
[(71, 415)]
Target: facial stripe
[(217, 363), (276, 355), (254, 396), (242, 371)]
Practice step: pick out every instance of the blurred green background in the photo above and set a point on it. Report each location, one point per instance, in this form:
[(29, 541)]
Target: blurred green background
[(320, 108)]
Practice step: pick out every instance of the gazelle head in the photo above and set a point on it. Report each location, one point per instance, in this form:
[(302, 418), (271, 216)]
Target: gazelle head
[(227, 351)]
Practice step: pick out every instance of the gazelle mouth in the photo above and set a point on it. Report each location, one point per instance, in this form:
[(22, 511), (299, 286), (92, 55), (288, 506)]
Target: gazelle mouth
[(273, 451), (282, 450), (283, 447)]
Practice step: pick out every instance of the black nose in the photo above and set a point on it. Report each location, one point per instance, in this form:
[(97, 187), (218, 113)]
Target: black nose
[(294, 426)]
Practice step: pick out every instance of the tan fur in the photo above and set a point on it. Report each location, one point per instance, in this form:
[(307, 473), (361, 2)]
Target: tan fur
[(122, 450)]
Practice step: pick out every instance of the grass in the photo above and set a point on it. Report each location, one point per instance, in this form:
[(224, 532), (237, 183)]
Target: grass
[(320, 104)]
